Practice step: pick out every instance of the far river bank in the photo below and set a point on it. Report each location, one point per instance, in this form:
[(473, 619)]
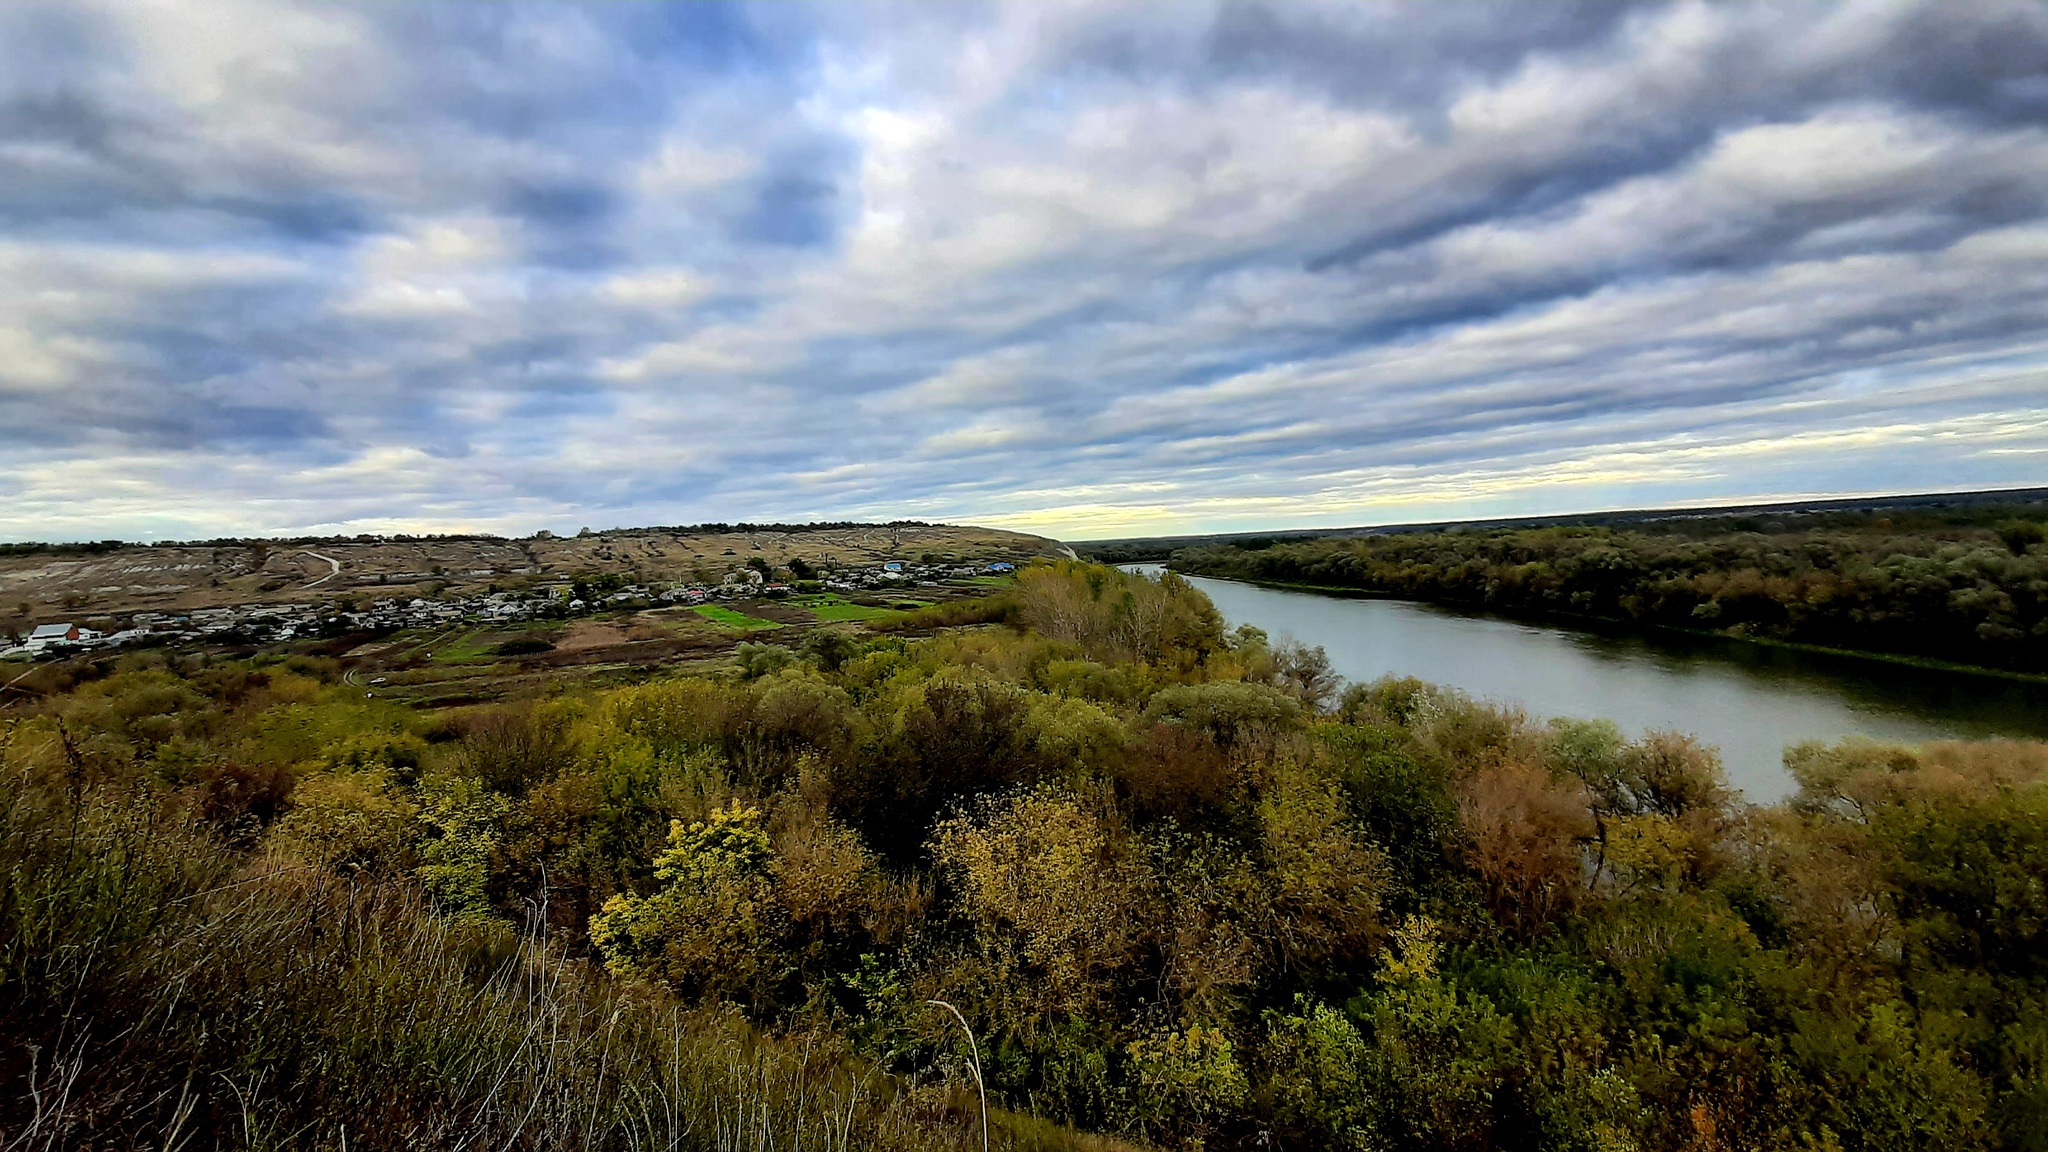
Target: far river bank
[(1750, 700), (1607, 624)]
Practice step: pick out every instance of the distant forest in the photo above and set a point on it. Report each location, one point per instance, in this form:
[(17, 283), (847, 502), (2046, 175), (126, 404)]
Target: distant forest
[(1962, 584)]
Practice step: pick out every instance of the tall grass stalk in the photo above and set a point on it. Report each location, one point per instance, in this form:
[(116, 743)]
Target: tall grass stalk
[(974, 1052)]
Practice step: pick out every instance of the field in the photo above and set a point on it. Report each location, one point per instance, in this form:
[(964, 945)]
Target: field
[(832, 609), (474, 661), (731, 619), (467, 663)]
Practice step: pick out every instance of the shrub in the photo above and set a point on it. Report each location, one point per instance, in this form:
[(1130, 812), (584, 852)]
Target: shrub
[(710, 931), (155, 991), (1048, 893), (1228, 711), (524, 646)]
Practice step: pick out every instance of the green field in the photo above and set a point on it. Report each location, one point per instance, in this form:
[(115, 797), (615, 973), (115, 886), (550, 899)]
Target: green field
[(426, 644), (464, 647), (732, 619), (477, 644)]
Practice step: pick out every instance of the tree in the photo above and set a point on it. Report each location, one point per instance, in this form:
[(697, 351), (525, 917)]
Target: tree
[(710, 931), (1049, 893), (1526, 828)]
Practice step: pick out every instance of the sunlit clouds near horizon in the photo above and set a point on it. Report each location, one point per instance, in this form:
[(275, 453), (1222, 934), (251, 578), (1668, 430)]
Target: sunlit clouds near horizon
[(1080, 269)]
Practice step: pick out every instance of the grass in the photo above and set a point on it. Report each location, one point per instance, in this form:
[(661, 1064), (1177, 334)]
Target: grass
[(424, 643), (833, 609), (994, 609), (467, 646), (857, 613), (731, 619), (161, 988)]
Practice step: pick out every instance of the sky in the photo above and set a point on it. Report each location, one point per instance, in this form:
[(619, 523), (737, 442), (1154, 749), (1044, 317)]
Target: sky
[(1087, 270)]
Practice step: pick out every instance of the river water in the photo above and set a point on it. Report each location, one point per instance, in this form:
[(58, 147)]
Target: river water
[(1748, 700)]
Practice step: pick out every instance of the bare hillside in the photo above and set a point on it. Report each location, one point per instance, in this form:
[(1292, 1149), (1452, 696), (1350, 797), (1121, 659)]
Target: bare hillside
[(173, 577)]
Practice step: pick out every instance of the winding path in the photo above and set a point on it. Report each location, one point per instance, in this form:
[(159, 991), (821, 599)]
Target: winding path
[(329, 559)]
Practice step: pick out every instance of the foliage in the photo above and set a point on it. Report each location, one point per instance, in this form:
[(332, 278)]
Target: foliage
[(1045, 895), (709, 932), (1181, 889), (1118, 616), (159, 988), (1952, 589)]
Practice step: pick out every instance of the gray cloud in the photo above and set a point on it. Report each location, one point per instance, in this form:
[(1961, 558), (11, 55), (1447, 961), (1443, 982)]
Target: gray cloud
[(283, 267)]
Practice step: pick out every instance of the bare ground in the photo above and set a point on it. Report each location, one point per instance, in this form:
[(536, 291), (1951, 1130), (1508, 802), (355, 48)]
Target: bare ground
[(50, 585)]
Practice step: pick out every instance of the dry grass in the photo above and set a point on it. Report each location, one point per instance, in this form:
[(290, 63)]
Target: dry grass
[(160, 990)]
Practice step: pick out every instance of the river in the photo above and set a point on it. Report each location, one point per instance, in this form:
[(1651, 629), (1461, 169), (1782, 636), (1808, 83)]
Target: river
[(1748, 700)]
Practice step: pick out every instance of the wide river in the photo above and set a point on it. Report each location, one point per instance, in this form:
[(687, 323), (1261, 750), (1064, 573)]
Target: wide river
[(1748, 700)]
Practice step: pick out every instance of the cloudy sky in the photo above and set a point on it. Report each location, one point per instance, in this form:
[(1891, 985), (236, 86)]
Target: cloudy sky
[(1088, 270)]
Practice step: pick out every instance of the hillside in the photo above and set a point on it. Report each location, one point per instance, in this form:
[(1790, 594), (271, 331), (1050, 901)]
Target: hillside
[(1182, 888), (93, 579)]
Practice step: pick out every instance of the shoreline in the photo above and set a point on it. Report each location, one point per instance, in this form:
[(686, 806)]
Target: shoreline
[(1580, 620)]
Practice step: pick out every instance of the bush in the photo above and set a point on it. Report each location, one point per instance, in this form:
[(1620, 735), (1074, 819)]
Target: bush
[(524, 646), (710, 931), (1228, 711), (159, 993)]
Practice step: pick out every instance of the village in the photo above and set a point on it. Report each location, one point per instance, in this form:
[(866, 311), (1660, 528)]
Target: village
[(258, 624)]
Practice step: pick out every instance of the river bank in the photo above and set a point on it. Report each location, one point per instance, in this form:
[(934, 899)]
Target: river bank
[(1749, 700), (1612, 623)]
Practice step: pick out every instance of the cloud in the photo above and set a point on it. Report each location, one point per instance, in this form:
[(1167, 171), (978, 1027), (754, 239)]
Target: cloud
[(1088, 268)]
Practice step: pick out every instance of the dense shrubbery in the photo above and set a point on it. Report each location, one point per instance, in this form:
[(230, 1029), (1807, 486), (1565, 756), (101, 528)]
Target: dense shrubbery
[(1976, 595), (1182, 889)]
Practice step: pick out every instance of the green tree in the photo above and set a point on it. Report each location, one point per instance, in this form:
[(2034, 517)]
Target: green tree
[(711, 930)]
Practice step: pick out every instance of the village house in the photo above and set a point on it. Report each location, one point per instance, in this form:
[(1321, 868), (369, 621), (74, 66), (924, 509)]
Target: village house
[(262, 623), (46, 635)]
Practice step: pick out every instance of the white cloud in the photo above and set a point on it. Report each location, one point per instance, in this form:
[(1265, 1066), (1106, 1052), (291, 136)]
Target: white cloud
[(1078, 266), (1002, 377), (438, 268), (682, 167), (29, 361), (658, 288)]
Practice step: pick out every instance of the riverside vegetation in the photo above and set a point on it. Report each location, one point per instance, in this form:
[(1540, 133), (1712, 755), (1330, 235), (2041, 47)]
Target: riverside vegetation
[(1968, 586), (1186, 889)]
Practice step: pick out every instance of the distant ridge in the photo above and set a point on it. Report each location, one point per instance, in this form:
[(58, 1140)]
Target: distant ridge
[(1127, 546), (707, 528)]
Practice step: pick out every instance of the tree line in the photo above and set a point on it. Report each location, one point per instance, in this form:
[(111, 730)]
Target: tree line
[(1967, 593)]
